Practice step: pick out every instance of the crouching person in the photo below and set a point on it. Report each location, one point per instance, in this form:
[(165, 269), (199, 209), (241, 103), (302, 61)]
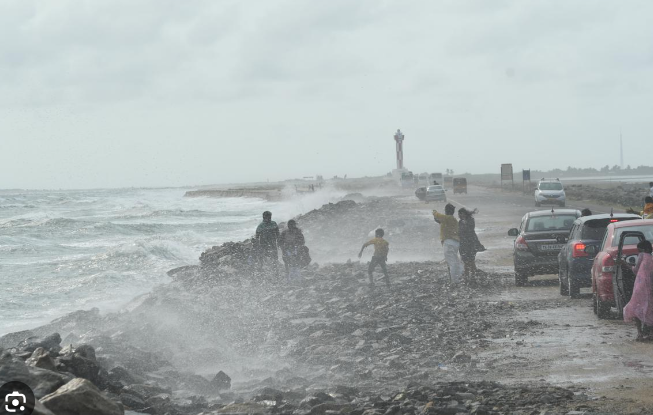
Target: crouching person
[(380, 257)]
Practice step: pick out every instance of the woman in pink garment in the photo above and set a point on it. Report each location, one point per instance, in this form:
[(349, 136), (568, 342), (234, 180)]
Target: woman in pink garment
[(640, 306)]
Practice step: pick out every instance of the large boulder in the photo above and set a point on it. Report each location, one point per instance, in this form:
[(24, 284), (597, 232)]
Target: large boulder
[(12, 339), (42, 359), (51, 343), (81, 397), (41, 381)]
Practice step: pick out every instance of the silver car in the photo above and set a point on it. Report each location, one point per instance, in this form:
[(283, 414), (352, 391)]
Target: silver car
[(435, 192), (550, 191)]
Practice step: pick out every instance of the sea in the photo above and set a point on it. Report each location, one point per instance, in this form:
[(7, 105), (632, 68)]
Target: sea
[(67, 250)]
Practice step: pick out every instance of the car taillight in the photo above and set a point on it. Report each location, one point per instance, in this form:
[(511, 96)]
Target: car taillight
[(614, 220), (608, 264), (520, 244), (579, 250)]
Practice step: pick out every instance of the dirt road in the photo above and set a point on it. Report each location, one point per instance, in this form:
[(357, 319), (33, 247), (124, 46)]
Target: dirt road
[(571, 346)]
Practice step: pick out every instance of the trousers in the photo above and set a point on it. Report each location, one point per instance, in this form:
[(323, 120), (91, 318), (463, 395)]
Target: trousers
[(451, 247)]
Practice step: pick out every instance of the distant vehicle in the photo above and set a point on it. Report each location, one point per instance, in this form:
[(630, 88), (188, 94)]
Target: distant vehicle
[(448, 180), (424, 179), (435, 178), (607, 262), (550, 191), (539, 239), (421, 193), (407, 179), (574, 263), (435, 192), (460, 185)]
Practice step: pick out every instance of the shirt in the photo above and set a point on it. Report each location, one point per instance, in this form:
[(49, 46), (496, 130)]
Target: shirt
[(448, 226), (381, 247), (267, 234)]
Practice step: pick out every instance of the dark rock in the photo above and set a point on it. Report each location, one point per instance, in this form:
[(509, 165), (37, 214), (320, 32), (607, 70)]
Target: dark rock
[(120, 374), (86, 350), (82, 367), (221, 381), (145, 391), (50, 343), (132, 401), (41, 358), (13, 339), (80, 397), (41, 381)]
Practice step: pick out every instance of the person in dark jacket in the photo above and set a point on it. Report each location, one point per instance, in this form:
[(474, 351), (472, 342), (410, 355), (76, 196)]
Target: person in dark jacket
[(469, 243), (291, 243), (266, 238)]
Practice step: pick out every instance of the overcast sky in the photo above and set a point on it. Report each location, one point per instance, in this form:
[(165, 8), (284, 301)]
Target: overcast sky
[(166, 92)]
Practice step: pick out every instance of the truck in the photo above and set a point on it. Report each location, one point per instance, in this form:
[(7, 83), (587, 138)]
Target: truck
[(423, 179), (407, 179), (435, 178)]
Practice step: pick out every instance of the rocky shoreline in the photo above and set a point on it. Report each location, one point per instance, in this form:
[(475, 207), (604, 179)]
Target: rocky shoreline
[(222, 338)]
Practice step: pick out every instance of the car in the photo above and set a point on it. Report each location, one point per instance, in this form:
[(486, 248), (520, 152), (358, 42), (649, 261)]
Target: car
[(550, 191), (420, 192), (539, 239), (574, 263), (435, 192), (605, 260)]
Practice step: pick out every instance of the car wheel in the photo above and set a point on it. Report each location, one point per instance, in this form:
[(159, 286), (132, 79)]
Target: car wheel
[(520, 279), (572, 286), (601, 308), (564, 290)]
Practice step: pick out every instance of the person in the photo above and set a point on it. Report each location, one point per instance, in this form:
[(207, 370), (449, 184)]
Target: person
[(266, 238), (291, 241), (469, 243), (380, 256), (450, 240), (640, 306), (647, 213), (586, 212)]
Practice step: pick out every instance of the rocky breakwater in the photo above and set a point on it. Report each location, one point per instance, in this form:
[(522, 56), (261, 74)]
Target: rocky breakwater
[(225, 338)]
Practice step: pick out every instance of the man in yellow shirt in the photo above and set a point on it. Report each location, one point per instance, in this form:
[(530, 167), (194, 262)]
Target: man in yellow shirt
[(450, 240), (381, 249)]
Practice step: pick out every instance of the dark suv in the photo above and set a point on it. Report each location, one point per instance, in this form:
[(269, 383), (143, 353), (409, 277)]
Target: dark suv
[(539, 239), (574, 261)]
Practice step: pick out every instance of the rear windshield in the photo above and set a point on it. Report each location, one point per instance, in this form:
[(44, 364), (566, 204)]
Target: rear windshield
[(435, 187), (595, 229), (647, 230), (550, 223), (550, 186)]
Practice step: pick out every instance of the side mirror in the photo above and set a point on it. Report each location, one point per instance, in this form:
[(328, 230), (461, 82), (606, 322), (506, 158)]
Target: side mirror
[(592, 250), (513, 232)]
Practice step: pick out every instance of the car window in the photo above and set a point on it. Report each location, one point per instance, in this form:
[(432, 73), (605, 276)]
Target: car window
[(647, 230), (550, 186), (550, 223), (596, 229)]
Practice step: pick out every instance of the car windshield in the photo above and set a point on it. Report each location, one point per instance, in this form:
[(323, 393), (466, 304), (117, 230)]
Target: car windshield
[(647, 230), (551, 186), (595, 229), (550, 223)]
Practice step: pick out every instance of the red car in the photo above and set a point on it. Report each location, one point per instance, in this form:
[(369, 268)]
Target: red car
[(603, 268)]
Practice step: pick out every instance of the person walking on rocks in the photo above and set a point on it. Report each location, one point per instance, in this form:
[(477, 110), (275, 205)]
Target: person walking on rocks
[(380, 257), (266, 237), (469, 243), (450, 240), (291, 243), (640, 306)]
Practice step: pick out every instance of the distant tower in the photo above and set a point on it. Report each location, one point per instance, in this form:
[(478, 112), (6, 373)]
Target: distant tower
[(399, 138)]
